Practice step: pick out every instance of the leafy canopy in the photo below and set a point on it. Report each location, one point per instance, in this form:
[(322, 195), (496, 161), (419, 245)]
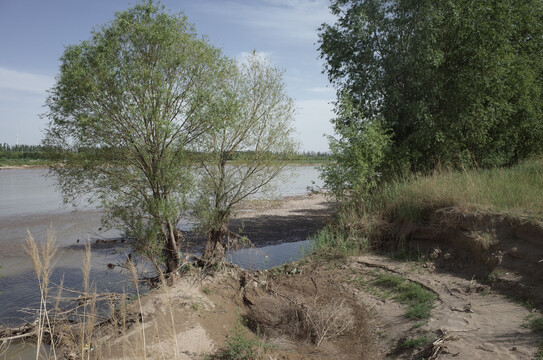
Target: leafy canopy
[(127, 104), (254, 133), (450, 82)]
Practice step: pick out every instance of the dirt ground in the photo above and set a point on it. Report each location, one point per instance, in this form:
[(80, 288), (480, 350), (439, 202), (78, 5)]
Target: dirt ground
[(485, 274), (197, 314), (272, 222), (328, 309)]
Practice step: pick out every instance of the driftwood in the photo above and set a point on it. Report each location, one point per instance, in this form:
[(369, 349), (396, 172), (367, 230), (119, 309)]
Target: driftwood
[(20, 332), (60, 321)]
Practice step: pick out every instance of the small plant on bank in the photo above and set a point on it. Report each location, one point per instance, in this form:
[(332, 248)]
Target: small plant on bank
[(539, 354), (535, 323), (332, 243), (206, 290), (418, 342), (419, 301), (238, 345)]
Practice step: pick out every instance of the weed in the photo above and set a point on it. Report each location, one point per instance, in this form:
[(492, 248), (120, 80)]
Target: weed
[(535, 323), (420, 324), (42, 256), (404, 254), (417, 342), (524, 301), (332, 243), (206, 290), (419, 301), (238, 345), (539, 354)]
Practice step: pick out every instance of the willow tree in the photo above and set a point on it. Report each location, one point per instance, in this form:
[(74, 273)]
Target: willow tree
[(126, 105), (249, 147)]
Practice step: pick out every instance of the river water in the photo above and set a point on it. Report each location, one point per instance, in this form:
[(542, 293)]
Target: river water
[(30, 202)]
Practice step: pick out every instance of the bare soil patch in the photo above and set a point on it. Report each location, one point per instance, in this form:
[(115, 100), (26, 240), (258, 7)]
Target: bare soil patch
[(331, 309), (272, 222)]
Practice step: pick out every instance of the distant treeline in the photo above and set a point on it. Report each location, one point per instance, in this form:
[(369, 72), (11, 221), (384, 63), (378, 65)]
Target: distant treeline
[(40, 152), (19, 152)]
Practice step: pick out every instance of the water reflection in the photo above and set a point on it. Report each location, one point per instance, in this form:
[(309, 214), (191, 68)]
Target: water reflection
[(29, 201), (270, 256), (24, 351)]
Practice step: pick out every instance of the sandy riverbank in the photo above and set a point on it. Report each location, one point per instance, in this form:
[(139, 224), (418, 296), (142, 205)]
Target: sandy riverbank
[(272, 222), (319, 308)]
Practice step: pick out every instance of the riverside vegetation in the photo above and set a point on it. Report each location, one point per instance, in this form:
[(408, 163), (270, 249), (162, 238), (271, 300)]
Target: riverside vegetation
[(322, 299), (437, 175)]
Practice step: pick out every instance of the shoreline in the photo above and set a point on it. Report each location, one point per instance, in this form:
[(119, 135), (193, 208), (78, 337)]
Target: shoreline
[(23, 167), (273, 222), (44, 166), (284, 220)]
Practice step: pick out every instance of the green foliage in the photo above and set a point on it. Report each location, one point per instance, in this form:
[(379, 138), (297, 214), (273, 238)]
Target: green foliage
[(238, 345), (126, 105), (310, 157), (254, 130), (417, 342), (359, 152), (536, 324), (419, 301), (23, 153), (451, 82)]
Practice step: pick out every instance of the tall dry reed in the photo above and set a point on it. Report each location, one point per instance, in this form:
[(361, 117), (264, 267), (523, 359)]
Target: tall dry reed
[(43, 258)]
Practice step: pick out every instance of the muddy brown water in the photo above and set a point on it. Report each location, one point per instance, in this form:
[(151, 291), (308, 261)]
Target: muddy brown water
[(30, 202)]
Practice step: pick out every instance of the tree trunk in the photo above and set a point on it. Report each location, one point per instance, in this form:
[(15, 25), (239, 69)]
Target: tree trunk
[(217, 243), (171, 248)]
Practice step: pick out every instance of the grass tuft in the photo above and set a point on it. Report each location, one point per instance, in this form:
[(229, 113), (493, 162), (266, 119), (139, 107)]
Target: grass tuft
[(239, 345), (536, 324), (418, 342), (514, 191), (419, 300)]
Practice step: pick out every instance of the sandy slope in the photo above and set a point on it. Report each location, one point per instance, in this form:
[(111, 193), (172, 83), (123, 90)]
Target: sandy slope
[(470, 320), (197, 314)]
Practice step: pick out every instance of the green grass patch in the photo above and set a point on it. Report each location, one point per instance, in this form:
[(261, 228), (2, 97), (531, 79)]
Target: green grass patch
[(418, 342), (24, 162), (240, 345), (331, 243), (419, 300), (535, 323), (539, 354), (515, 190)]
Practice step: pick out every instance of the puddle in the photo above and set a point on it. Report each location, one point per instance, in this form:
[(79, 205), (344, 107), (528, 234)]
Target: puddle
[(250, 259), (24, 351), (270, 256)]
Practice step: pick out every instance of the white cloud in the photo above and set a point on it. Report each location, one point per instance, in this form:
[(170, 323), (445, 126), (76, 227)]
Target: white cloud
[(22, 96), (286, 19), (313, 122), (15, 80), (322, 90)]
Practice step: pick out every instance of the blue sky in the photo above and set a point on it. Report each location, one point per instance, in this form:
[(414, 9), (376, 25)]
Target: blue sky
[(33, 34)]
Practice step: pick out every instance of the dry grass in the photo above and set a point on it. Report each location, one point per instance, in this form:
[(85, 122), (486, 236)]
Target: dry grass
[(514, 191), (310, 318), (42, 256), (328, 321), (79, 332)]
